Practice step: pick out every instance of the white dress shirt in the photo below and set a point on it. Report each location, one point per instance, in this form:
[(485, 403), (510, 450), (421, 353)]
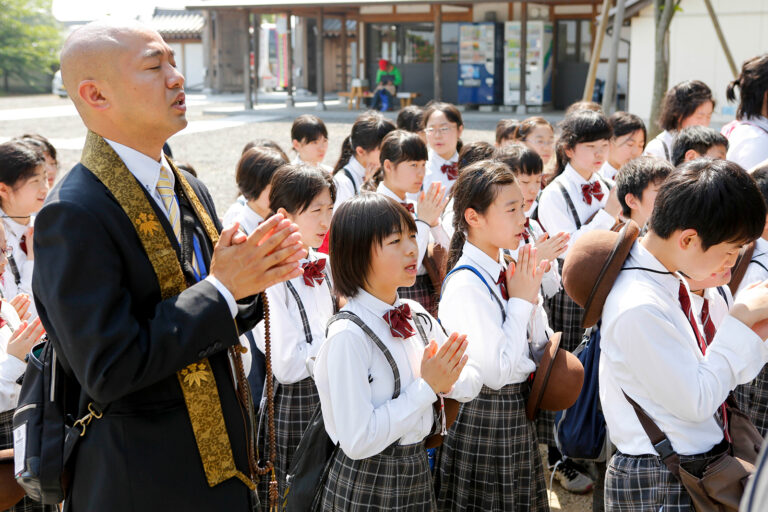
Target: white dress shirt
[(656, 146), (649, 351), (11, 367), (344, 187), (13, 233), (755, 273), (424, 232), (434, 174), (234, 211), (356, 383), (555, 215), (608, 171), (499, 348), (748, 142), (147, 171), (290, 350), (321, 166), (719, 307)]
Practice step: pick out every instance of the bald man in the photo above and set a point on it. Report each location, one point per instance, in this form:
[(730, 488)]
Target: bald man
[(141, 297)]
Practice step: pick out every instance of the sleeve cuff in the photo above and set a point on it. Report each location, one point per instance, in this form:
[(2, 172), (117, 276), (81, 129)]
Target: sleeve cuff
[(520, 309), (421, 392), (231, 302)]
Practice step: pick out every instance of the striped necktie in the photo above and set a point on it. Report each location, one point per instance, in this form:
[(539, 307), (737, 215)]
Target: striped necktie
[(167, 194)]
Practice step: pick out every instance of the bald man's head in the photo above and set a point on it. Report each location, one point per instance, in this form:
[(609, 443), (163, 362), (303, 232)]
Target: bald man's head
[(122, 77)]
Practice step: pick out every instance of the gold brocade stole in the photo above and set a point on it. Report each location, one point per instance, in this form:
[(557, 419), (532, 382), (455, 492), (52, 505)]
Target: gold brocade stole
[(197, 380)]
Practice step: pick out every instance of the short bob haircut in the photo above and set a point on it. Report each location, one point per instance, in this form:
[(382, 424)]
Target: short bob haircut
[(255, 170), (410, 119), (581, 126), (308, 128), (19, 162), (520, 159), (717, 198), (681, 101), (697, 138), (295, 186), (760, 175), (637, 175), (475, 152), (360, 224), (265, 143), (624, 123), (402, 146), (506, 130)]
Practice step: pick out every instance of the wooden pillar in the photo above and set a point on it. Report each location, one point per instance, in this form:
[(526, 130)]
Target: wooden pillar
[(344, 43), (438, 57), (320, 58), (290, 100), (247, 77), (256, 49), (609, 95), (721, 38), (523, 56), (589, 87)]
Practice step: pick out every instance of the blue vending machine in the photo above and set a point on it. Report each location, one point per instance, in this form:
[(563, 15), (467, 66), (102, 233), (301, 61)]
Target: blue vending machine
[(481, 63)]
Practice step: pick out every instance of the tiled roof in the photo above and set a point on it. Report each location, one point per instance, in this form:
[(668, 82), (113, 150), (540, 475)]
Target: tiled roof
[(178, 23)]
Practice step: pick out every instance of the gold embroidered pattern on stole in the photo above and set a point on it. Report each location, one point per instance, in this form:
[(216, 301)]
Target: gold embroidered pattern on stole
[(197, 381)]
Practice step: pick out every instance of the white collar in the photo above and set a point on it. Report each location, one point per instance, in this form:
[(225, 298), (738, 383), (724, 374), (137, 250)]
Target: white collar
[(761, 247), (355, 168), (378, 307), (531, 209), (17, 229), (573, 176), (386, 191), (145, 169), (608, 171), (492, 267), (757, 120), (249, 219), (434, 157), (639, 256)]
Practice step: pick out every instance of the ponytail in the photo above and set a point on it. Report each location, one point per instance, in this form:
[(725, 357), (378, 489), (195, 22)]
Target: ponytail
[(730, 90), (373, 183), (457, 248), (346, 153)]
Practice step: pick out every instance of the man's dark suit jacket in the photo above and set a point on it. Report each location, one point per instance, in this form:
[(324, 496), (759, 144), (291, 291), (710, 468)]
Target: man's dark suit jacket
[(99, 300)]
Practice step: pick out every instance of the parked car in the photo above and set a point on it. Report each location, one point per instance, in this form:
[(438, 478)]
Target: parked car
[(57, 86)]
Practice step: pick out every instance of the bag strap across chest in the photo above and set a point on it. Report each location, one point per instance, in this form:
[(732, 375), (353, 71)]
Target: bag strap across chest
[(482, 278), (302, 310), (571, 206)]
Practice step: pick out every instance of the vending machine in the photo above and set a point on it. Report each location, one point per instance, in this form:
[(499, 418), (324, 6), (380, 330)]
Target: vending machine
[(538, 64), (480, 63)]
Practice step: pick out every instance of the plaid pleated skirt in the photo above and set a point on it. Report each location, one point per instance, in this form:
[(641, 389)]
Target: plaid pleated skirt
[(396, 479), (490, 459), (422, 292), (565, 316), (294, 405), (642, 483), (752, 399), (6, 441)]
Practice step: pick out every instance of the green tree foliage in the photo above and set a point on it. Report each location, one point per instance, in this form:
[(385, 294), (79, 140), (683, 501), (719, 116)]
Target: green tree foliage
[(29, 40)]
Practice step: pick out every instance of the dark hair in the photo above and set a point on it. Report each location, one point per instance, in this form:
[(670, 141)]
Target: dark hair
[(697, 138), (581, 126), (474, 152), (18, 162), (520, 159), (636, 175), (308, 128), (398, 146), (760, 175), (717, 198), (361, 223), (525, 128), (451, 113), (184, 166), (624, 123), (411, 119), (265, 143), (583, 105), (255, 170), (369, 130), (752, 84), (295, 186), (681, 101), (476, 187), (505, 129), (41, 142)]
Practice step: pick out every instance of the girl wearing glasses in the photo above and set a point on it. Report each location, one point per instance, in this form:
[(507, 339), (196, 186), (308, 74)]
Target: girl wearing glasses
[(443, 126)]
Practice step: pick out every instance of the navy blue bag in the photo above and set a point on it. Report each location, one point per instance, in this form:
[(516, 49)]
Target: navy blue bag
[(580, 429)]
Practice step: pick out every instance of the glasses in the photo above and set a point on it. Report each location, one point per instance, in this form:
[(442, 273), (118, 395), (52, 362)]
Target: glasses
[(443, 130)]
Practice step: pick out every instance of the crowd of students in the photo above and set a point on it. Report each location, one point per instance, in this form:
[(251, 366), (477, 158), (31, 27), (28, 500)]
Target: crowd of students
[(445, 259)]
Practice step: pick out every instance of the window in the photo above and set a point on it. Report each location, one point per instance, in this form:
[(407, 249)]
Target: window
[(419, 43)]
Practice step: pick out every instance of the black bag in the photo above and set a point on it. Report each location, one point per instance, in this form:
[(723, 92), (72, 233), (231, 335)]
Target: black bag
[(44, 436)]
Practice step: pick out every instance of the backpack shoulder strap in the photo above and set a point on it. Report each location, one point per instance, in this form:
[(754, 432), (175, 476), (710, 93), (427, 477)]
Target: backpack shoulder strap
[(351, 178), (348, 315), (603, 181), (302, 312), (666, 149), (570, 204), (740, 268), (478, 274)]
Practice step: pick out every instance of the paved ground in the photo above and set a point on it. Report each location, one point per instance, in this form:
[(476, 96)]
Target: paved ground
[(218, 129)]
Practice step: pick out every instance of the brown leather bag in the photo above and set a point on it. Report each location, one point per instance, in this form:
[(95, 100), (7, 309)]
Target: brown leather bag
[(722, 484), (10, 492)]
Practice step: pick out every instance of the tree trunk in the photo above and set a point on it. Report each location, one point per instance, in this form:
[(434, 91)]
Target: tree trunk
[(5, 80), (663, 12)]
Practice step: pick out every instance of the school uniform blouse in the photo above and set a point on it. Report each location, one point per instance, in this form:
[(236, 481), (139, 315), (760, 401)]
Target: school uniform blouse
[(755, 272), (290, 350), (661, 145), (434, 173), (719, 307), (365, 419), (11, 367), (555, 215), (649, 351), (608, 171), (13, 235), (322, 166), (230, 216), (346, 188), (424, 232), (748, 142), (498, 347)]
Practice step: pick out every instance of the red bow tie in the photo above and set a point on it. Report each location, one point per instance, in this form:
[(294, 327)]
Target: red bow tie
[(313, 272), (502, 282), (451, 170), (591, 190), (409, 207), (526, 234), (23, 243), (398, 320)]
